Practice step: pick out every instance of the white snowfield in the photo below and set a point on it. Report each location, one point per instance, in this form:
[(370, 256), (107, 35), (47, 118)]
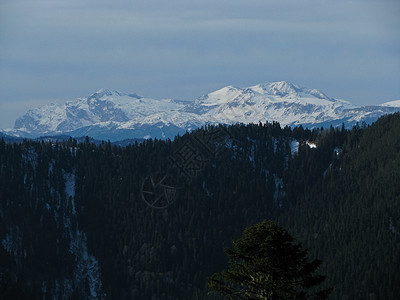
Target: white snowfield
[(395, 103), (113, 115)]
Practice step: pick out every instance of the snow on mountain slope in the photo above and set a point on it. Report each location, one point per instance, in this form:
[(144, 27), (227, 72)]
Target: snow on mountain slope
[(279, 101), (104, 109), (113, 115), (395, 103)]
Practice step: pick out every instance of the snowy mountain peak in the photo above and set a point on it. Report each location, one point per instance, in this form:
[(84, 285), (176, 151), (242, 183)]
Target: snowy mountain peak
[(113, 115), (273, 92), (394, 103), (102, 93), (280, 89), (283, 88)]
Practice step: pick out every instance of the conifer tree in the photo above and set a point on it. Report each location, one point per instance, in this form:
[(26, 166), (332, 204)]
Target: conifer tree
[(266, 264)]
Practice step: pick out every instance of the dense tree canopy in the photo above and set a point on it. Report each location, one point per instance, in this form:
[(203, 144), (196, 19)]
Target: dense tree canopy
[(64, 202)]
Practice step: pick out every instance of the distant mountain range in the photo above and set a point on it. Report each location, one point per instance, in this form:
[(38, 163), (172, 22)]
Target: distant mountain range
[(114, 116)]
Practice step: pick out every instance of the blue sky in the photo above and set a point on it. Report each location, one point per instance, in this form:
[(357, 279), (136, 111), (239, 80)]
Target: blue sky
[(56, 50)]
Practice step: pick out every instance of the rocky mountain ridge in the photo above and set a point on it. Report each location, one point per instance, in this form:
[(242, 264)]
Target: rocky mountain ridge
[(112, 115)]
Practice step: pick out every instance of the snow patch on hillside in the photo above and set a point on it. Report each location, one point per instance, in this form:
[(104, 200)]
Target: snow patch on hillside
[(294, 147), (87, 267), (279, 191), (70, 189), (311, 144)]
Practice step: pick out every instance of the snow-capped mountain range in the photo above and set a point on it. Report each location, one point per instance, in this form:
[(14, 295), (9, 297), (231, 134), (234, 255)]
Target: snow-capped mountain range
[(115, 116)]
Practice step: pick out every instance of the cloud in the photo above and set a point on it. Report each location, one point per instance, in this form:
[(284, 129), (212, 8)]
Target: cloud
[(183, 49)]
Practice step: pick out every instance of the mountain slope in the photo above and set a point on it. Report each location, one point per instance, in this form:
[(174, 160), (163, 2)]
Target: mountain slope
[(340, 197), (283, 102), (104, 111), (115, 116), (395, 103)]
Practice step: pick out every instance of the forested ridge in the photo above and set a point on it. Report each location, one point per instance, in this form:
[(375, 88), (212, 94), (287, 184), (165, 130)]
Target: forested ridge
[(78, 221)]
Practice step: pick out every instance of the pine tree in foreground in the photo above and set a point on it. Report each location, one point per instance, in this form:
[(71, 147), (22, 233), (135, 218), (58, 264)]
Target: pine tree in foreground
[(266, 264)]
